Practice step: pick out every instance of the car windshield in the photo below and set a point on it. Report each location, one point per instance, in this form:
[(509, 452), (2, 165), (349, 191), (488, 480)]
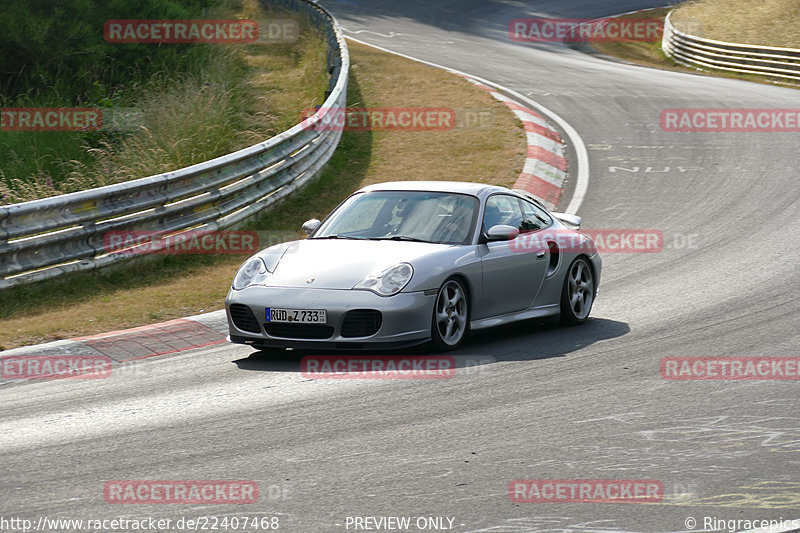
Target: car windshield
[(436, 217)]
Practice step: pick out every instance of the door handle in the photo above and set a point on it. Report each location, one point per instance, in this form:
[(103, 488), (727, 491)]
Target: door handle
[(540, 254)]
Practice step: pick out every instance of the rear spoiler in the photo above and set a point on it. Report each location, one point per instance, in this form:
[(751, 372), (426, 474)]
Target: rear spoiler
[(572, 220)]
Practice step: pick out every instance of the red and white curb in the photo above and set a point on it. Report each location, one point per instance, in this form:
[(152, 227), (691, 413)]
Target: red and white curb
[(136, 343), (545, 172)]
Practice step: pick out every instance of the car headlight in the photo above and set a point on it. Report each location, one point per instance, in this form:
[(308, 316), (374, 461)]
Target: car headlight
[(252, 272), (389, 282)]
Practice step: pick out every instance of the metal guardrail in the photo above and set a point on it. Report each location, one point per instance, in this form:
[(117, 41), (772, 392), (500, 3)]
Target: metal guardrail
[(45, 238), (693, 51)]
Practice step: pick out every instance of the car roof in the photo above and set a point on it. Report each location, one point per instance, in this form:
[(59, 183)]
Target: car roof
[(464, 187)]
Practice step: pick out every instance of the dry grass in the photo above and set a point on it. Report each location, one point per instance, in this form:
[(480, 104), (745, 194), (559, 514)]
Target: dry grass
[(461, 153), (760, 22), (291, 76), (643, 52), (651, 54), (176, 286)]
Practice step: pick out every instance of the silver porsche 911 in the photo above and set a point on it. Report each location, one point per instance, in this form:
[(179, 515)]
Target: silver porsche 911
[(404, 263)]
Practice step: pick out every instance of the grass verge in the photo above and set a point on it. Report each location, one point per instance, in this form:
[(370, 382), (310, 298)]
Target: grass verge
[(167, 287), (650, 53), (172, 118), (772, 23)]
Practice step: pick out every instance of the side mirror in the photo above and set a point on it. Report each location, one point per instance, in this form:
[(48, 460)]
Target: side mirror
[(572, 220), (501, 232), (310, 226)]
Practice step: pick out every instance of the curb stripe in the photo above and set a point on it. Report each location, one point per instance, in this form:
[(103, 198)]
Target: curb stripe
[(546, 143), (544, 190), (554, 160), (536, 119), (141, 342), (544, 171), (532, 127)]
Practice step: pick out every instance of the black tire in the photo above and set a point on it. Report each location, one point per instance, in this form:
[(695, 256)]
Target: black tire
[(450, 320), (577, 295)]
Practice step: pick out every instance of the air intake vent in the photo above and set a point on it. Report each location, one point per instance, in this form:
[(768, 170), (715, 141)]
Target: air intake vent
[(361, 323), (243, 318), (299, 331)]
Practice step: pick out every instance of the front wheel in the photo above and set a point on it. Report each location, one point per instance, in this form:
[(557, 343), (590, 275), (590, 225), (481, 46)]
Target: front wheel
[(577, 296), (450, 316)]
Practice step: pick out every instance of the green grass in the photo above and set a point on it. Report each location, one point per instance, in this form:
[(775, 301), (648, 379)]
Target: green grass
[(54, 55), (212, 101)]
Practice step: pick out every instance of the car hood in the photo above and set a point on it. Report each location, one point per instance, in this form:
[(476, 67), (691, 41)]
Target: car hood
[(338, 263)]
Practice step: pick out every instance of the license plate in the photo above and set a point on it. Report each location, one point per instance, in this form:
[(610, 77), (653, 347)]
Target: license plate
[(301, 316)]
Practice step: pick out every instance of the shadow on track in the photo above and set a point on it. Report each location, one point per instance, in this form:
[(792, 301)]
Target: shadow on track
[(524, 341)]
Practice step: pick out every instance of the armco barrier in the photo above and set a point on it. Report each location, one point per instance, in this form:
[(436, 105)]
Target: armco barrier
[(45, 238), (692, 51)]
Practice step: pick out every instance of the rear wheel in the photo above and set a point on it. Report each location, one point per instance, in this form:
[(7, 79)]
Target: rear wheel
[(577, 296), (450, 316)]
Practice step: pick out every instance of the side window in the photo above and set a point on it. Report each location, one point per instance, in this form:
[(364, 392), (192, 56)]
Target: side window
[(502, 209), (534, 217)]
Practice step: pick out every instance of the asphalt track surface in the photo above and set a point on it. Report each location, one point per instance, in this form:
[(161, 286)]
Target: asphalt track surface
[(544, 402)]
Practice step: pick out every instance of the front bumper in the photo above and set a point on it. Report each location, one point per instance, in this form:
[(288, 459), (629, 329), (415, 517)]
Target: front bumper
[(405, 317)]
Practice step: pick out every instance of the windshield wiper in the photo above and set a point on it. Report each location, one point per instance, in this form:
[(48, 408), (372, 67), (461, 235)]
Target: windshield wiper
[(402, 238), (394, 238)]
